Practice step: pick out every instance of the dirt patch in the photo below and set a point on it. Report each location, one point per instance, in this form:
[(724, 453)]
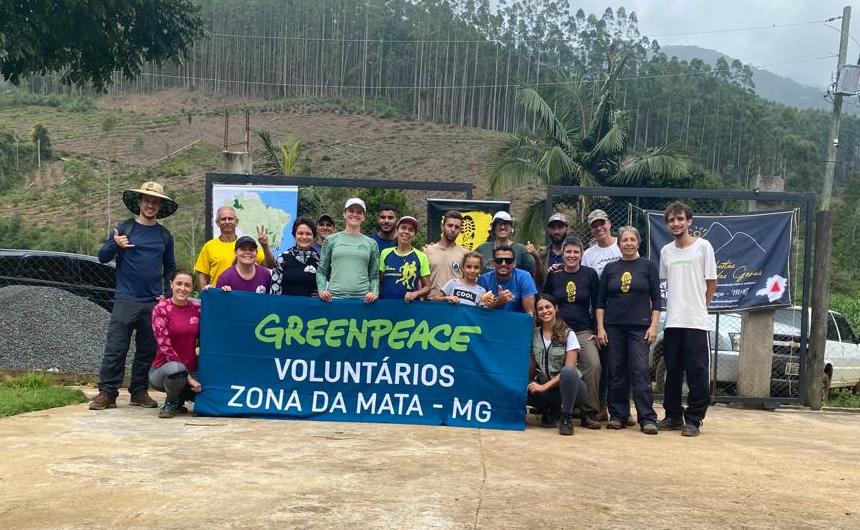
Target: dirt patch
[(74, 468)]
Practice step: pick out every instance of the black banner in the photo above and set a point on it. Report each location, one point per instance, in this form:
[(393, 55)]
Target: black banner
[(477, 216), (752, 251)]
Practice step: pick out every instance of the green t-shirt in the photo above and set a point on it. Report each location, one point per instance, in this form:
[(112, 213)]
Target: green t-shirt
[(349, 266)]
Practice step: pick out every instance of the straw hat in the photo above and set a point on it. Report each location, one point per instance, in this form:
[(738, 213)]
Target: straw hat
[(131, 198)]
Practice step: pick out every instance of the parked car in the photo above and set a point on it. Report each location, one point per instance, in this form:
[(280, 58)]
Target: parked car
[(76, 273), (841, 355)]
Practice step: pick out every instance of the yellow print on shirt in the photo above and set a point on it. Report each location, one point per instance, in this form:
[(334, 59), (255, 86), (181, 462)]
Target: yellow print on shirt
[(570, 289), (408, 274), (626, 280)]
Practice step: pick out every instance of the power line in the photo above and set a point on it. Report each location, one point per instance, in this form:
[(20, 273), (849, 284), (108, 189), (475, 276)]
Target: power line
[(462, 87), (497, 42)]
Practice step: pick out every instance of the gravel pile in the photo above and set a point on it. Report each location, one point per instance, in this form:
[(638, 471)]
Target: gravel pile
[(42, 328)]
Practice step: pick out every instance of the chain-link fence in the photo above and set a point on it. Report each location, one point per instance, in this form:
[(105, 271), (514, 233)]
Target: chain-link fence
[(626, 206), (75, 273)]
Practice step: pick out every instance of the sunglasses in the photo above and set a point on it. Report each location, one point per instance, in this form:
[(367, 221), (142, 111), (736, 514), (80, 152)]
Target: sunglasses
[(504, 261)]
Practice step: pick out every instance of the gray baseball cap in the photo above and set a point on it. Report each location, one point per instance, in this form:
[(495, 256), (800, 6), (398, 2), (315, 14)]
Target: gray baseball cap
[(558, 217), (597, 215)]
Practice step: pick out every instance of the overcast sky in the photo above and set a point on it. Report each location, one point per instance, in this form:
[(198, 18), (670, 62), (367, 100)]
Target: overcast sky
[(762, 47)]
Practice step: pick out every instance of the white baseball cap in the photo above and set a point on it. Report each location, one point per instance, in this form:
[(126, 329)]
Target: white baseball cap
[(353, 201), (502, 216)]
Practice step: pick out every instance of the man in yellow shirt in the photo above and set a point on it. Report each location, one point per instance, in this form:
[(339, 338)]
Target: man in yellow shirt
[(218, 254)]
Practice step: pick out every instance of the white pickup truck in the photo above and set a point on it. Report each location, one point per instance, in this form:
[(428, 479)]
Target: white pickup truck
[(841, 355)]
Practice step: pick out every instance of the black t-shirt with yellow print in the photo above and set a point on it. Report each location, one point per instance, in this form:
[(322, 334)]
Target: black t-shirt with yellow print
[(576, 293), (628, 290)]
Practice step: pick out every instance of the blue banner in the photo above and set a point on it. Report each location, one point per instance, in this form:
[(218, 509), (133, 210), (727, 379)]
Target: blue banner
[(427, 363), (752, 252)]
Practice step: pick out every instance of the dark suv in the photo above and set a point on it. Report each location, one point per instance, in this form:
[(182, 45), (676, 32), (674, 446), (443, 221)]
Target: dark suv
[(75, 273)]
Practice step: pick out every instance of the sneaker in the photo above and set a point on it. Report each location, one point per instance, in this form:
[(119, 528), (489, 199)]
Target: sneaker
[(168, 410), (142, 399), (616, 424), (589, 421), (670, 424), (565, 426), (103, 401), (690, 430), (649, 428), (548, 419)]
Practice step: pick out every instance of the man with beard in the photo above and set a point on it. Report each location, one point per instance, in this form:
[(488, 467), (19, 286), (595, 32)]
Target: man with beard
[(512, 289), (557, 229), (446, 256), (387, 221), (144, 262)]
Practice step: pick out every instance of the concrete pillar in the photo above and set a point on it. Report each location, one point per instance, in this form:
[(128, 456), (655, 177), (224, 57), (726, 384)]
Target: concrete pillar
[(237, 162), (756, 348), (756, 354)]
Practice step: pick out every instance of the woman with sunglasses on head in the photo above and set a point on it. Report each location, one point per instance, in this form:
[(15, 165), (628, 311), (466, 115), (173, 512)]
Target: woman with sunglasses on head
[(575, 288), (555, 386), (628, 312), (176, 326), (295, 271)]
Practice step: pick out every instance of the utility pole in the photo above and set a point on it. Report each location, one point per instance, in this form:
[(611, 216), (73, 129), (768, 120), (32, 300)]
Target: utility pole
[(816, 379)]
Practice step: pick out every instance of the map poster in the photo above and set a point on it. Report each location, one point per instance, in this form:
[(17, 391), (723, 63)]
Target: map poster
[(477, 216), (274, 207), (752, 251)]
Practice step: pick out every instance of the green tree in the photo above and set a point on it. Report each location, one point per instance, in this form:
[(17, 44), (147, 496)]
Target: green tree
[(87, 41), (579, 139)]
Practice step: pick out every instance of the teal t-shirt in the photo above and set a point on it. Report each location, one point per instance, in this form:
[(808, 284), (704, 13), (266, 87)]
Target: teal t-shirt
[(402, 273), (349, 265)]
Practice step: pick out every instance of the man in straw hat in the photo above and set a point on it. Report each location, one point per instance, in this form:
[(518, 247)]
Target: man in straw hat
[(144, 262)]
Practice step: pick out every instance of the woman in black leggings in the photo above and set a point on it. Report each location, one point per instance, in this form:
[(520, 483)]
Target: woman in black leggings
[(555, 385)]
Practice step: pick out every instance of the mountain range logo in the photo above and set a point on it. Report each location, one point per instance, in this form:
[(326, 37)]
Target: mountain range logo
[(720, 237)]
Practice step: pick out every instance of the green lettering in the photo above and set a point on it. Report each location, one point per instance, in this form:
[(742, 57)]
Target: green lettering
[(421, 334), (357, 335), (441, 346), (273, 335), (294, 330), (380, 328), (460, 339), (333, 334), (400, 333), (315, 331)]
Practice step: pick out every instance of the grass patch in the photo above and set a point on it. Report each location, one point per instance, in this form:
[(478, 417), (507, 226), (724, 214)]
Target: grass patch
[(844, 398), (31, 392)]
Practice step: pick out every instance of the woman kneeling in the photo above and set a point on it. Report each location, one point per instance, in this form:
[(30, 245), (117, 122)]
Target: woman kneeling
[(556, 385), (176, 325)]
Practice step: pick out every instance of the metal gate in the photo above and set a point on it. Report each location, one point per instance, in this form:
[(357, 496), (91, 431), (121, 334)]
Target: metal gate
[(628, 206)]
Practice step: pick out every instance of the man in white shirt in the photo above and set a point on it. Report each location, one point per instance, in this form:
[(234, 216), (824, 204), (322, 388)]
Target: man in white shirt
[(606, 250), (689, 269), (598, 257)]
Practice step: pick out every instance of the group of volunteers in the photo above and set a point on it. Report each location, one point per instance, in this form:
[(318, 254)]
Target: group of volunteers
[(597, 309)]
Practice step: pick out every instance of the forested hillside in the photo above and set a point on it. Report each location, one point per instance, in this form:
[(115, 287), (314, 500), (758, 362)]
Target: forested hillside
[(460, 61)]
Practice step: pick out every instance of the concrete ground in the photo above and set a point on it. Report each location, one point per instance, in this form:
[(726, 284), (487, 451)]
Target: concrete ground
[(125, 468)]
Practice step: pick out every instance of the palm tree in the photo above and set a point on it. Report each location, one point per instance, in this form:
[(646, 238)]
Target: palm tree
[(578, 138)]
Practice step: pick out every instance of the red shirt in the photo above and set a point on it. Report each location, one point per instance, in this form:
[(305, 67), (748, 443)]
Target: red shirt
[(177, 330)]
